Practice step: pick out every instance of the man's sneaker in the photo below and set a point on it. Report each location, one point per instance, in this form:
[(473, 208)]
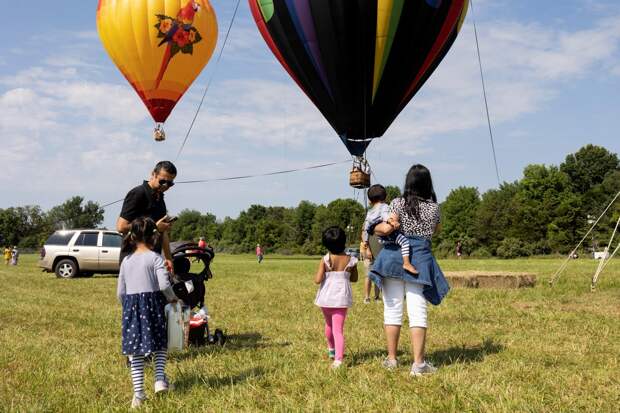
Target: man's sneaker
[(422, 369), (336, 364), (367, 300), (162, 386), (137, 400), (390, 364)]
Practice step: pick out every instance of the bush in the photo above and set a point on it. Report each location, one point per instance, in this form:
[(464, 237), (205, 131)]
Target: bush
[(481, 252), (513, 248), (445, 249), (541, 247)]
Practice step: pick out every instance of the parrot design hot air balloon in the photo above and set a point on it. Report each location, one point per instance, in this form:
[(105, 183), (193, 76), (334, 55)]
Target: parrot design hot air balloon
[(359, 61), (160, 46)]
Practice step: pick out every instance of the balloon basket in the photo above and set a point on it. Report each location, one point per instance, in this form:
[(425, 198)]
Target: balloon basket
[(359, 177), (159, 134)]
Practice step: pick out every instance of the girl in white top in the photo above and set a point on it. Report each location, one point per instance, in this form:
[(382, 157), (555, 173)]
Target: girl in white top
[(335, 274)]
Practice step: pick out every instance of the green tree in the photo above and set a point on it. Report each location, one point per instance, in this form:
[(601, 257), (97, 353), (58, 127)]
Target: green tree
[(458, 214), (348, 214), (304, 216), (496, 215), (192, 225), (392, 193), (545, 203), (589, 166), (24, 226), (72, 214)]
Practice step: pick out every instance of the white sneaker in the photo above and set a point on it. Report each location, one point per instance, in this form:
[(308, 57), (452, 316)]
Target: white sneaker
[(137, 401), (162, 386), (390, 364), (336, 364), (422, 369)]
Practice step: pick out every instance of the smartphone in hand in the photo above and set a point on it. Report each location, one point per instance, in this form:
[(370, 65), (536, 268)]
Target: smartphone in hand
[(170, 219)]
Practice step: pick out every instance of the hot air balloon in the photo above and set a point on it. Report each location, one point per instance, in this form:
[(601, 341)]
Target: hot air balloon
[(160, 46), (359, 61)]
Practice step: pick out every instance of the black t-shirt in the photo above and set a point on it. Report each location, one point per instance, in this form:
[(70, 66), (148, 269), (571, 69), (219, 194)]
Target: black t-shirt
[(143, 201)]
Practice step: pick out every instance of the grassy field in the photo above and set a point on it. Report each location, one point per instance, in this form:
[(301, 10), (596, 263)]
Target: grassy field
[(539, 349)]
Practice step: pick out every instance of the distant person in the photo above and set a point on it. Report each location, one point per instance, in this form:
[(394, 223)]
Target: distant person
[(143, 290), (147, 200), (202, 243), (417, 215), (336, 272), (7, 255), (259, 253), (14, 256), (378, 213), (367, 256), (459, 250)]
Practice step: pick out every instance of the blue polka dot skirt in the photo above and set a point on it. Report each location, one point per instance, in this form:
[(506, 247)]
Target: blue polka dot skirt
[(144, 323)]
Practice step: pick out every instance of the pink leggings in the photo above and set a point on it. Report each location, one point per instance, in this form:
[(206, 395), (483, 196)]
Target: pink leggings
[(334, 329)]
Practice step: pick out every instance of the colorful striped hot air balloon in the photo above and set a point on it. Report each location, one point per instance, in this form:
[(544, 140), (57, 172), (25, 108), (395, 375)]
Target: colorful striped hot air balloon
[(359, 61), (160, 46)]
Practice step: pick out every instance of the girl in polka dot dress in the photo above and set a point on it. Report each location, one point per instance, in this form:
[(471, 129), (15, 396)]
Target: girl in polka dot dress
[(144, 289)]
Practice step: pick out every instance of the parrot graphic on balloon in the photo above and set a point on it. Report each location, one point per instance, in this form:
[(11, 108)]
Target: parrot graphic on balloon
[(180, 34)]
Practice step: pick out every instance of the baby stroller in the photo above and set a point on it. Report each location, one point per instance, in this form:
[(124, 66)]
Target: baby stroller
[(190, 288)]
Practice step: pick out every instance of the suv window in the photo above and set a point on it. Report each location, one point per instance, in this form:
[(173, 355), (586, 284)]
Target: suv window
[(112, 240), (87, 239), (60, 238)]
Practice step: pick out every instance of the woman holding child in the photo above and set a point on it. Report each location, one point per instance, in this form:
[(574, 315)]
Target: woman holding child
[(416, 216)]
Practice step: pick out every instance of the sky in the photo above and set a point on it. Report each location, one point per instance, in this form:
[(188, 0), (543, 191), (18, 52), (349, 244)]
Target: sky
[(71, 125)]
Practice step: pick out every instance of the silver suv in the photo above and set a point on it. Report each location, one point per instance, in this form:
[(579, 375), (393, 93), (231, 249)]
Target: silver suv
[(70, 253)]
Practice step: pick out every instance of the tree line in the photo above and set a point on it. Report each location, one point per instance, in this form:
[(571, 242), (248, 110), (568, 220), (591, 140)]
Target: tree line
[(547, 211)]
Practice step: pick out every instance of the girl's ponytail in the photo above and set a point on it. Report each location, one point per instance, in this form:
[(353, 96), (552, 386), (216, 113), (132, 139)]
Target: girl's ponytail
[(143, 230)]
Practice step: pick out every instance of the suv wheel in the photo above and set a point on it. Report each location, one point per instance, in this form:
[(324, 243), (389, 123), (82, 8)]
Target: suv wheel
[(66, 269)]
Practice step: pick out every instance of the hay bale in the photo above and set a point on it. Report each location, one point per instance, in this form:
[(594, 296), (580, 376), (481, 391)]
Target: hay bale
[(490, 279)]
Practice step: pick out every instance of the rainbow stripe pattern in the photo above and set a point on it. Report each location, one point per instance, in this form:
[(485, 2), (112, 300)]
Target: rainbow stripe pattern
[(359, 61)]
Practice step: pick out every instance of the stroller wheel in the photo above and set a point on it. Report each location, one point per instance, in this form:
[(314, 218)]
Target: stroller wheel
[(219, 336)]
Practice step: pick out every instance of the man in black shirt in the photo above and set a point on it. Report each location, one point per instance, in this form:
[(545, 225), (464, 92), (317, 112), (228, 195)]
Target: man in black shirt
[(147, 200)]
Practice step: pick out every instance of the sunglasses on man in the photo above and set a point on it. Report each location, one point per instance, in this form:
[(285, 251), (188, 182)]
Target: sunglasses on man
[(166, 182)]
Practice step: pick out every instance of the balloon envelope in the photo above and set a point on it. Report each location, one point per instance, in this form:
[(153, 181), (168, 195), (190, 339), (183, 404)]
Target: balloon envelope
[(160, 46), (359, 61)]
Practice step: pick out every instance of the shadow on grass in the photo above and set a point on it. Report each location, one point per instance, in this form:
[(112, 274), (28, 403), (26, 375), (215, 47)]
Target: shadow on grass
[(251, 341), (186, 382), (371, 355), (465, 354), (452, 355)]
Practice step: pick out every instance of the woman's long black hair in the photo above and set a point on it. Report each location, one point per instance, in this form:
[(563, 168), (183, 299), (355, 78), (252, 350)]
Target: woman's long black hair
[(418, 188), (143, 230)]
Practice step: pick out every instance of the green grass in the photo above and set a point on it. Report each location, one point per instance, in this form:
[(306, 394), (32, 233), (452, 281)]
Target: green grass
[(539, 349)]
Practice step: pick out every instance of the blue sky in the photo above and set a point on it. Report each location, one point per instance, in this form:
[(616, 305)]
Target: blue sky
[(71, 125)]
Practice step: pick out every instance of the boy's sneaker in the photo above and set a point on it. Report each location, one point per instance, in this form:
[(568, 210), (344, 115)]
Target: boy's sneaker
[(162, 386), (137, 400), (422, 369), (390, 364), (336, 364), (367, 300)]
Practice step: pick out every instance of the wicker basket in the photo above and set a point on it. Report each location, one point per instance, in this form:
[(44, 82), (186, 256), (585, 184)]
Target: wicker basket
[(359, 179)]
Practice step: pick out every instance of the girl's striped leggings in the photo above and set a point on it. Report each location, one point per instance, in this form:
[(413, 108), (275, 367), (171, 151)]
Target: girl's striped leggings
[(137, 370)]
